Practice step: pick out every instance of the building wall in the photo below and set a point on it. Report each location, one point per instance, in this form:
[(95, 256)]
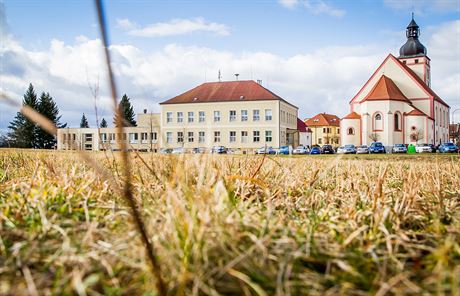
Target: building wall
[(226, 126), (322, 135), (441, 125), (355, 138), (305, 139)]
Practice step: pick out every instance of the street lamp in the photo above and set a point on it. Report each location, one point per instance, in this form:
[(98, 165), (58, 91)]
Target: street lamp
[(453, 112)]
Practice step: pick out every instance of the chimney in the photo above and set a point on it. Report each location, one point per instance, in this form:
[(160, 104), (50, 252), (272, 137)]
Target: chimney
[(145, 111), (236, 75), (259, 81)]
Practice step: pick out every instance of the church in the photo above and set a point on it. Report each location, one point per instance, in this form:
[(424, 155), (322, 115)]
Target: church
[(397, 105)]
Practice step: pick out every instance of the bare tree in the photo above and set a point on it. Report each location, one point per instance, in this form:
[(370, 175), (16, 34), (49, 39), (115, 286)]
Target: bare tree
[(416, 135), (374, 137)]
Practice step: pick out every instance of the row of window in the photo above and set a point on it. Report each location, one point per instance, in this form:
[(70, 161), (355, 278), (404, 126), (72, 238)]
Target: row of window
[(232, 116), (232, 137), (288, 118), (133, 137), (328, 130), (441, 117)]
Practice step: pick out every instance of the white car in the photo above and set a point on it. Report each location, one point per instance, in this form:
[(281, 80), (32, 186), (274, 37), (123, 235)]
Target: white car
[(423, 148), (347, 149), (300, 150), (363, 149), (178, 150)]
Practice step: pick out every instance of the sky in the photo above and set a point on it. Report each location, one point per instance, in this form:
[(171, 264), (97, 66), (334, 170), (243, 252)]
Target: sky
[(314, 53)]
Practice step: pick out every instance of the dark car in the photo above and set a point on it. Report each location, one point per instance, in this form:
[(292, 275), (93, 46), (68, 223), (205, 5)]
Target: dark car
[(448, 147), (377, 147), (315, 150), (434, 148), (327, 149)]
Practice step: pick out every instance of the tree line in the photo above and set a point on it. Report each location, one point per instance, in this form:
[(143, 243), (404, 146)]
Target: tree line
[(24, 133)]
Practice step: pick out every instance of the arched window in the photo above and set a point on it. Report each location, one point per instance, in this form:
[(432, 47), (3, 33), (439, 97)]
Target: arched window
[(397, 121), (378, 122), (350, 131)]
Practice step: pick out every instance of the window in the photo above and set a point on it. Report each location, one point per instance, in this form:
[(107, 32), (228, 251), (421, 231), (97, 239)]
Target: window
[(244, 115), (232, 115), (216, 116), (244, 137), (190, 137), (190, 116), (103, 137), (169, 117), (324, 130), (112, 137), (255, 115), (268, 136), (144, 137), (133, 137), (217, 137), (201, 137), (378, 122), (153, 137), (232, 136), (256, 136), (88, 137), (397, 122), (338, 131), (201, 116), (350, 131), (416, 61), (320, 141), (268, 114), (169, 137), (180, 137), (180, 117)]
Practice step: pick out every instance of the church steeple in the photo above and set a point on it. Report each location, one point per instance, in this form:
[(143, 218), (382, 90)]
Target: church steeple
[(412, 47)]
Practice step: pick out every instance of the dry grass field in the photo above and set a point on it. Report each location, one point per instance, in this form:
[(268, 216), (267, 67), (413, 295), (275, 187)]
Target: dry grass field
[(231, 225)]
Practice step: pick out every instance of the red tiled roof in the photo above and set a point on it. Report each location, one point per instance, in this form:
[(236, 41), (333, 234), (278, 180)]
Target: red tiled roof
[(416, 112), (323, 119), (385, 89), (422, 83), (301, 126), (352, 115), (225, 91)]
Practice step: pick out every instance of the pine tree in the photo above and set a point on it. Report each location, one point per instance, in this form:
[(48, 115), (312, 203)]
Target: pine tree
[(84, 122), (22, 130), (103, 123), (48, 108), (127, 112)]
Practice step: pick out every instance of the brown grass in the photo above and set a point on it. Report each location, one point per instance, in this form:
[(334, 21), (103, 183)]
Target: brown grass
[(231, 225)]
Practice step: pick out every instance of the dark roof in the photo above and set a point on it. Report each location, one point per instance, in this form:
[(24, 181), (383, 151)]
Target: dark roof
[(412, 47), (385, 89), (323, 119), (226, 91), (301, 126)]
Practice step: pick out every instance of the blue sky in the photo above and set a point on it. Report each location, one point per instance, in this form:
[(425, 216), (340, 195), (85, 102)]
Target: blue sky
[(315, 53)]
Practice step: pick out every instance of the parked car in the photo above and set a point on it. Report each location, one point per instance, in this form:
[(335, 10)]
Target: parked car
[(327, 149), (283, 150), (315, 150), (377, 147), (399, 148), (347, 149), (434, 148), (199, 150), (178, 150), (219, 150), (266, 150), (300, 150), (165, 151), (448, 147), (423, 148), (363, 149)]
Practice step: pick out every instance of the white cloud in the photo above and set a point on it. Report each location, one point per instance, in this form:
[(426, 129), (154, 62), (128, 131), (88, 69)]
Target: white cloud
[(320, 81), (314, 6), (424, 6), (173, 27)]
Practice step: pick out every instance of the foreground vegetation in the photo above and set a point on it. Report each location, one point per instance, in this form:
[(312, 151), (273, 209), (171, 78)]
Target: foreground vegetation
[(232, 225)]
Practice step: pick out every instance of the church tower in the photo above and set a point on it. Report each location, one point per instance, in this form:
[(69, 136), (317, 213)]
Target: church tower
[(413, 53)]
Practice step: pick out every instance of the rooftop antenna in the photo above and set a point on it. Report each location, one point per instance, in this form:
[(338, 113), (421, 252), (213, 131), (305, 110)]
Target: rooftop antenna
[(236, 76), (219, 76)]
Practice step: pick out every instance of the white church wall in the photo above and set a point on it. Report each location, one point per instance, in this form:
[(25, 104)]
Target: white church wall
[(441, 116), (353, 138), (415, 124)]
